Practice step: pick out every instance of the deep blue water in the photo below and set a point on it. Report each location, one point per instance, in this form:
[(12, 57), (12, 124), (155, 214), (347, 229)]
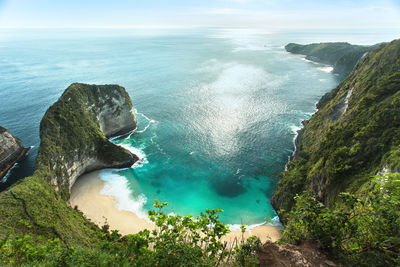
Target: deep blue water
[(217, 108)]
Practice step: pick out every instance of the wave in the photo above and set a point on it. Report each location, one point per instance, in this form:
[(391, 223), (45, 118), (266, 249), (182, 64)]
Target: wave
[(324, 68), (305, 59), (327, 69), (117, 186), (274, 222), (139, 153), (141, 114), (145, 128), (294, 129), (5, 178), (122, 135), (16, 165)]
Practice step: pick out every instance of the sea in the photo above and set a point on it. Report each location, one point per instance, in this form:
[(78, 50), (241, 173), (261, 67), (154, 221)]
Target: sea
[(217, 108)]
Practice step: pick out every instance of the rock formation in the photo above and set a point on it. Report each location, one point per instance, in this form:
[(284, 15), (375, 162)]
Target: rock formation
[(342, 56), (11, 151), (74, 133), (353, 136)]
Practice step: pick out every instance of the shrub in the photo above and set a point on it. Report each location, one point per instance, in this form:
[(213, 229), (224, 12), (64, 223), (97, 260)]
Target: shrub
[(362, 230), (177, 241)]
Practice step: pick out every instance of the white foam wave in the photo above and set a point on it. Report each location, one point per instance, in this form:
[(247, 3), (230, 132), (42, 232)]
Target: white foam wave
[(5, 178), (139, 153), (16, 165), (326, 69), (141, 114), (147, 126), (150, 121), (294, 128), (236, 227), (305, 59), (119, 136), (117, 186), (130, 134)]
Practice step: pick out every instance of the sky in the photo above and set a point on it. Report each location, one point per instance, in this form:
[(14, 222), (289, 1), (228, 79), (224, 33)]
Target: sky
[(271, 14)]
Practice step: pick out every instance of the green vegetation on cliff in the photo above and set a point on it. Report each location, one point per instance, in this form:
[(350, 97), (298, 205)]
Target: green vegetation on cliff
[(362, 230), (342, 56), (71, 138), (354, 135), (177, 241), (70, 133)]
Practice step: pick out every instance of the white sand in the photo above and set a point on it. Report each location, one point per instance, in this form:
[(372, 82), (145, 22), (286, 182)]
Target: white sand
[(101, 209)]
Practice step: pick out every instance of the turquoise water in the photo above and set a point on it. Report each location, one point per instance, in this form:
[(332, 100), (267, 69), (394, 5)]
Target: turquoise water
[(218, 109)]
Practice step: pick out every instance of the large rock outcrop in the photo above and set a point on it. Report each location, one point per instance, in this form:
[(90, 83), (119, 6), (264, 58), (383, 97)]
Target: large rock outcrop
[(72, 142), (354, 135), (75, 129), (11, 151), (342, 56)]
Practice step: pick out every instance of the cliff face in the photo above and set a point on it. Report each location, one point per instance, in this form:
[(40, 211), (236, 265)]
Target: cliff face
[(11, 151), (72, 142), (74, 133), (355, 133), (342, 56)]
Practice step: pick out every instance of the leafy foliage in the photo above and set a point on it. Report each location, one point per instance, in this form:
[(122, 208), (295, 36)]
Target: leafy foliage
[(362, 230), (177, 241)]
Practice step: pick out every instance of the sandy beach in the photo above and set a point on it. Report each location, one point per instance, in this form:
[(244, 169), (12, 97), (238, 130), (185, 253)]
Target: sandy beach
[(101, 208)]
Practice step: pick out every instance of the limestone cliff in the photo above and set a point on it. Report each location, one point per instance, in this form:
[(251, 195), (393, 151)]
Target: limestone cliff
[(354, 135), (11, 151), (342, 56), (74, 133)]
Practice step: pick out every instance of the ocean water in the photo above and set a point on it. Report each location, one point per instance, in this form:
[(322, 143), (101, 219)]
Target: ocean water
[(218, 109)]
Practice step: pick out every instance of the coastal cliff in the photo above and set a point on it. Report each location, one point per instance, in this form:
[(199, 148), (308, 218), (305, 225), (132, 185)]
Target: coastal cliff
[(11, 151), (72, 143), (342, 186), (353, 136), (342, 56), (74, 133)]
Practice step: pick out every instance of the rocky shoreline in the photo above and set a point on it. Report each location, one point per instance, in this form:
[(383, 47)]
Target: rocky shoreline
[(11, 151)]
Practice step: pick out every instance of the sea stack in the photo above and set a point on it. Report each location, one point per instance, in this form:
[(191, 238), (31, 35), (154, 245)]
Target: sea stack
[(11, 151), (74, 134)]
